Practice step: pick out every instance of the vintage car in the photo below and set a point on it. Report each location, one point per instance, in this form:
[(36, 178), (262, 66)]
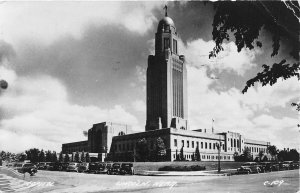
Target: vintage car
[(249, 167), (42, 165), (287, 165), (72, 167), (127, 168), (26, 167), (104, 167), (115, 169), (296, 164), (83, 167), (94, 168)]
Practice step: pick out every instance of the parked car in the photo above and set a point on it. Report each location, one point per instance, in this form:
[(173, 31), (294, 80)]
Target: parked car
[(94, 168), (127, 168), (249, 167), (104, 167), (42, 165), (296, 164), (83, 167), (115, 169), (266, 166), (26, 167), (72, 167), (64, 166), (275, 166), (287, 165)]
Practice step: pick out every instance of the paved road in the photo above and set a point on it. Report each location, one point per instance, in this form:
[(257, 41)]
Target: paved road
[(284, 181)]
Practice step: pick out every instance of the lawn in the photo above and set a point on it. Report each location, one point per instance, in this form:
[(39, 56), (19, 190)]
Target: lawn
[(213, 165)]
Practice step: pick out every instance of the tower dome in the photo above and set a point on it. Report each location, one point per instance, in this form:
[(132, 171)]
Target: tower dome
[(164, 23)]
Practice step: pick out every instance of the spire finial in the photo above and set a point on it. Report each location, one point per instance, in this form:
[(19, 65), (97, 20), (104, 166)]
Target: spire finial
[(166, 10)]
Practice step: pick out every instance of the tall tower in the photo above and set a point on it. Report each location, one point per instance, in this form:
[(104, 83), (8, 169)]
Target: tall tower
[(166, 81)]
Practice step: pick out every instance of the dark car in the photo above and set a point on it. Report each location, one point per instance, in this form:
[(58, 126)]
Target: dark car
[(115, 169), (266, 166), (127, 168), (249, 167), (104, 167), (296, 164), (26, 167), (94, 168), (275, 166), (42, 165), (63, 166), (83, 167), (288, 165)]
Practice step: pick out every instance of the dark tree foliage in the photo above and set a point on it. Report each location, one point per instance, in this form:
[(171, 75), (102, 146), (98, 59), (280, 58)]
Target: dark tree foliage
[(160, 149), (246, 20), (82, 157), (272, 150), (244, 157), (42, 156), (33, 155), (76, 157), (288, 155), (260, 155), (197, 154), (60, 158), (67, 158), (48, 156), (87, 157), (54, 157), (270, 74)]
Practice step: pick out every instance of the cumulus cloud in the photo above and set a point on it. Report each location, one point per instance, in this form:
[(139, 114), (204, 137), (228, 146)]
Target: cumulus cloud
[(229, 60), (139, 106), (52, 19), (37, 113)]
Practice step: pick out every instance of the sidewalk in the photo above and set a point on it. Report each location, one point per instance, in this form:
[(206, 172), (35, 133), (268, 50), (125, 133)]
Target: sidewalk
[(183, 173)]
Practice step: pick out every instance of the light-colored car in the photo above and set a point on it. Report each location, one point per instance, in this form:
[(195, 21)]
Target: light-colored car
[(73, 167)]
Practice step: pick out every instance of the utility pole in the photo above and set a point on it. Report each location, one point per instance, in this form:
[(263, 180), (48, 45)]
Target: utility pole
[(219, 145)]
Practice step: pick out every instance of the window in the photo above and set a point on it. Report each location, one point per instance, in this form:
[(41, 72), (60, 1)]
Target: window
[(166, 43), (209, 145), (174, 156), (205, 145), (182, 142), (192, 144), (234, 143), (214, 146), (175, 142), (187, 144), (231, 143), (175, 46), (223, 147), (201, 145), (197, 143)]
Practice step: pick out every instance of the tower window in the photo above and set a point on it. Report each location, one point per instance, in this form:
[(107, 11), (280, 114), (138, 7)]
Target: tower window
[(175, 142), (166, 43), (175, 46)]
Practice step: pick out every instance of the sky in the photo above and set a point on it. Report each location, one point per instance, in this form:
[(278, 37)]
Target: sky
[(70, 65)]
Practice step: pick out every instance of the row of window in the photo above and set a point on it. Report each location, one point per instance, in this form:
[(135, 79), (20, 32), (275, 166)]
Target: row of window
[(257, 149), (210, 157), (204, 145), (234, 142)]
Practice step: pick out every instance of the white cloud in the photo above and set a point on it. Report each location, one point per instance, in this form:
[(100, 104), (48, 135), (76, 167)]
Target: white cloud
[(139, 106), (197, 52), (48, 21), (37, 113)]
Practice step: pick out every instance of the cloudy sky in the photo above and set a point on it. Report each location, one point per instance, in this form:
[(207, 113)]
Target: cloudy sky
[(72, 64)]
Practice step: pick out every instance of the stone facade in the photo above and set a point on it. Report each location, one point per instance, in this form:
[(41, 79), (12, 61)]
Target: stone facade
[(166, 81)]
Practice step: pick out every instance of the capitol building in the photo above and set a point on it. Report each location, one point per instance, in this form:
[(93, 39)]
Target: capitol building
[(167, 115)]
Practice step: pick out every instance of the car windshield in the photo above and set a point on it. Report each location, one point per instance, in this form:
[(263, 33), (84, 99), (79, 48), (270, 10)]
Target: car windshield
[(72, 164), (116, 165)]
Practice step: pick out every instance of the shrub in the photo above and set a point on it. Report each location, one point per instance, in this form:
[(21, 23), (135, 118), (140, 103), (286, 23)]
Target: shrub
[(182, 168)]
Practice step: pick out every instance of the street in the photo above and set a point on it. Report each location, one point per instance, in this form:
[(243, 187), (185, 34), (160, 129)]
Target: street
[(52, 181)]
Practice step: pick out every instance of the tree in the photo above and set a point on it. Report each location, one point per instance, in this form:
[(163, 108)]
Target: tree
[(246, 21), (54, 157), (181, 156), (273, 151), (33, 155), (20, 157), (60, 158), (87, 157), (67, 158), (41, 156), (76, 157), (260, 155), (160, 149), (48, 156), (197, 154), (82, 157), (247, 155)]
